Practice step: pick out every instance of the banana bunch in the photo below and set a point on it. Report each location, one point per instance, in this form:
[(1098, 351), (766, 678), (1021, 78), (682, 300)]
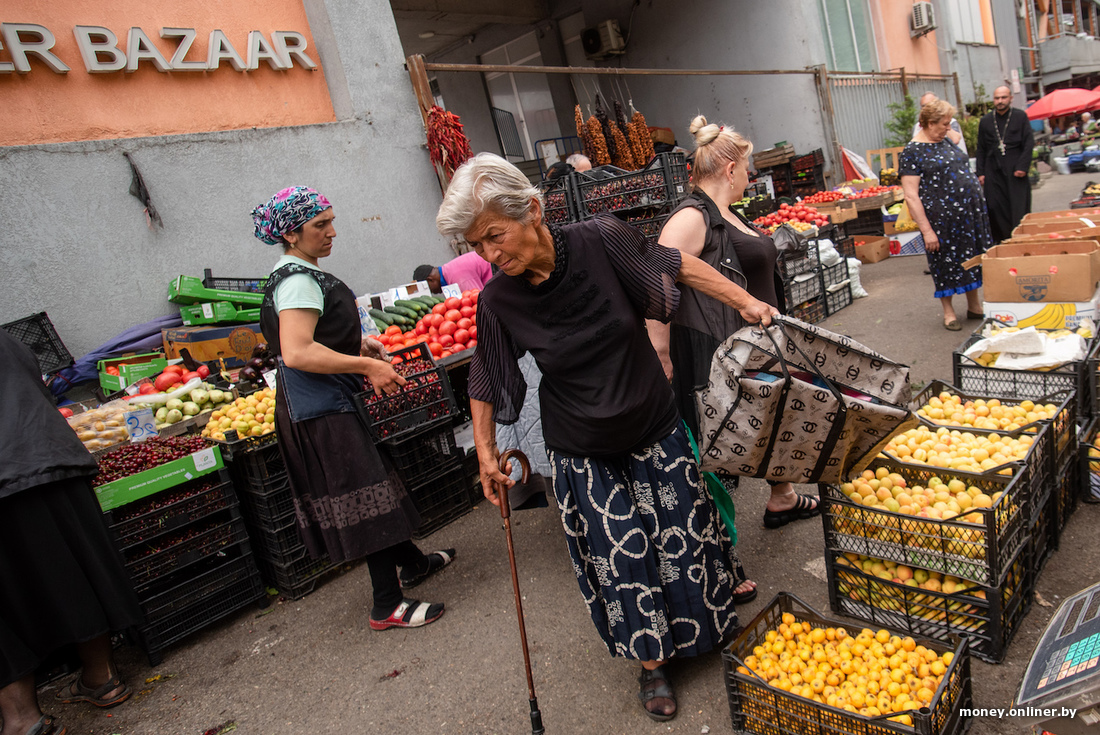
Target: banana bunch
[(1051, 316), (1092, 190)]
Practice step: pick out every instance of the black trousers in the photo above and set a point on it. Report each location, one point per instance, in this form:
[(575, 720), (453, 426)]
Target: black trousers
[(383, 571), (1008, 199)]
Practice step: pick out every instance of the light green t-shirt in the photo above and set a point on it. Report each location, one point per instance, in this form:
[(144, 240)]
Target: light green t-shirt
[(298, 291)]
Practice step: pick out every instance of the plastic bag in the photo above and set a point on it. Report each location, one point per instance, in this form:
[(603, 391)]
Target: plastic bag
[(905, 221), (858, 291)]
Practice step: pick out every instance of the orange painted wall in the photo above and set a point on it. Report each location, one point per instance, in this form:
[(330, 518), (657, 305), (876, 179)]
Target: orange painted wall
[(896, 50), (45, 107)]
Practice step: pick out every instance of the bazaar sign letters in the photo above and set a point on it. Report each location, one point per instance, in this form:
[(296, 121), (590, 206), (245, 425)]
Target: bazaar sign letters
[(102, 53)]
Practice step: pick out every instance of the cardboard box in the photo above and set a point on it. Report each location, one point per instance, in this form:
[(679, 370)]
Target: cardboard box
[(216, 312), (1061, 214), (233, 344), (1051, 272), (872, 249), (189, 290), (1066, 315), (839, 211), (130, 370), (1059, 225)]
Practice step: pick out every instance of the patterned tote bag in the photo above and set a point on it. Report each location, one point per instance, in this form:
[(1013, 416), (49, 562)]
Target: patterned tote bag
[(797, 403)]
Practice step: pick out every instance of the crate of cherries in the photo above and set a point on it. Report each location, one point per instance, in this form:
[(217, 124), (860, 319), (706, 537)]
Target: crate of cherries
[(131, 459), (424, 400)]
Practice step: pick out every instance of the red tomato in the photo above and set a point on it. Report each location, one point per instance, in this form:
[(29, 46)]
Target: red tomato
[(446, 340), (473, 332), (445, 353), (66, 412), (453, 315), (166, 380), (421, 327), (439, 308), (437, 319), (467, 311), (383, 339), (411, 334), (474, 293), (461, 335), (452, 303), (447, 328), (393, 329), (471, 344), (465, 323), (176, 368), (435, 348), (784, 205), (203, 371), (432, 332), (111, 370), (146, 389), (189, 376), (458, 347), (422, 338), (466, 301)]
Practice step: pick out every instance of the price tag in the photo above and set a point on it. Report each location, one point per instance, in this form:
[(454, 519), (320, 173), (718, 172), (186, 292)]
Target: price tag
[(140, 424), (269, 378), (204, 460)]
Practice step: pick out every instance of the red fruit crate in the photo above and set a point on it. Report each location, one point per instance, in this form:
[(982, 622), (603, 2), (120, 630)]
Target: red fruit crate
[(758, 707), (979, 552), (988, 616), (425, 400)]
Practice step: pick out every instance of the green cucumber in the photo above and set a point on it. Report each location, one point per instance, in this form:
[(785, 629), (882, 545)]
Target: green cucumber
[(380, 315), (418, 306), (401, 311), (428, 301)]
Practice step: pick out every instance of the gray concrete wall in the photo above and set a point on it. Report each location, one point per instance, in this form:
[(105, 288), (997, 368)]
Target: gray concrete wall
[(979, 65), (75, 243)]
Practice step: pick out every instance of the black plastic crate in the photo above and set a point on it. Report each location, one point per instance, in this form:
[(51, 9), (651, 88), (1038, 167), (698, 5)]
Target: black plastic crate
[(868, 222), (648, 221), (662, 182), (976, 379), (425, 400), (979, 552), (1091, 383), (37, 333), (803, 287), (259, 462), (170, 554), (845, 245), (833, 275), (837, 299), (279, 544), (141, 521), (794, 264), (422, 455), (236, 567), (248, 285), (988, 616), (559, 200), (231, 593), (758, 707), (809, 160), (1045, 534), (1089, 452), (267, 501), (297, 578), (233, 450), (441, 498), (1067, 490), (810, 312)]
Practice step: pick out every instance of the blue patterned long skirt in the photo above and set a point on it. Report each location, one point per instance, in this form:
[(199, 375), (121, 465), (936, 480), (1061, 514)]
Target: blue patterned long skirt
[(650, 554)]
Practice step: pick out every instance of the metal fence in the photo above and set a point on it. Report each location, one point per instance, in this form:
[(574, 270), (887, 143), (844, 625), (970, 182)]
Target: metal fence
[(505, 124), (860, 103)]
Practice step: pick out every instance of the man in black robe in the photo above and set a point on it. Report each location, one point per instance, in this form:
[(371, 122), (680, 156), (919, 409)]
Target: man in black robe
[(1005, 141)]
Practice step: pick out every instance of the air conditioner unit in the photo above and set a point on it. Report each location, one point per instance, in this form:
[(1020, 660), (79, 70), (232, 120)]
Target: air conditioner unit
[(922, 20), (603, 40)]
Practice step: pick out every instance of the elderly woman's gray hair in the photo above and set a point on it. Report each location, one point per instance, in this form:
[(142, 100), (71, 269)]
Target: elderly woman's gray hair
[(486, 181)]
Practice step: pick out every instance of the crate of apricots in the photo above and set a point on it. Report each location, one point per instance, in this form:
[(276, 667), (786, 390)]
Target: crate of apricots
[(795, 672), (252, 417)]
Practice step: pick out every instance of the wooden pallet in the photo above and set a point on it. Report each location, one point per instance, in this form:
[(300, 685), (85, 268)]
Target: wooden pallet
[(773, 156)]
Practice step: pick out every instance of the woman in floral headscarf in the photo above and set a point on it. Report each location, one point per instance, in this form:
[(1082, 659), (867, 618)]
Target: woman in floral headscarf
[(348, 501)]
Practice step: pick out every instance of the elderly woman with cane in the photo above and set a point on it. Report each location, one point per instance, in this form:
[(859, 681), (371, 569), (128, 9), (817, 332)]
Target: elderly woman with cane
[(651, 559)]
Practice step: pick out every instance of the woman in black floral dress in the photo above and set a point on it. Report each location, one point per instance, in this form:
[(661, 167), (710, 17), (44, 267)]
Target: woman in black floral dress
[(946, 201)]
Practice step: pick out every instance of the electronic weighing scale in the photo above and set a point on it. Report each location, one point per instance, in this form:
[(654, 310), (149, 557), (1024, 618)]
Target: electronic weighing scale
[(1064, 673)]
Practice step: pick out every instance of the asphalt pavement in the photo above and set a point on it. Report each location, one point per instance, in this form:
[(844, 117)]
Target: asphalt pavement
[(314, 665)]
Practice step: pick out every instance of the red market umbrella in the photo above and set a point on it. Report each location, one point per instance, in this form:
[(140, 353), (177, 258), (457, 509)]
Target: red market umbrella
[(1063, 102)]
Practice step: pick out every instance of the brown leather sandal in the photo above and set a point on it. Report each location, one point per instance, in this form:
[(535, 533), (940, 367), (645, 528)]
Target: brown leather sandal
[(655, 684), (77, 691)]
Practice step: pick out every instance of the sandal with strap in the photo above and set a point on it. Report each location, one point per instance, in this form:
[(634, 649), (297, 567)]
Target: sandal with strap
[(655, 684), (409, 614), (739, 578), (77, 691), (436, 561), (806, 506), (47, 725)]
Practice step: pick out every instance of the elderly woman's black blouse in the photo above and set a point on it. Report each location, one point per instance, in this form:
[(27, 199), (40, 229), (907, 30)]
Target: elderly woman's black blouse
[(603, 389)]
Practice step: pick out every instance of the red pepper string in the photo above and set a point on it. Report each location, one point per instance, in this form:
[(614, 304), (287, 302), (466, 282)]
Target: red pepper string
[(448, 146)]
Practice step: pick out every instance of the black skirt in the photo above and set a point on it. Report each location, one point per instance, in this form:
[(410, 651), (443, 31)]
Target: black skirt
[(348, 500), (61, 576)]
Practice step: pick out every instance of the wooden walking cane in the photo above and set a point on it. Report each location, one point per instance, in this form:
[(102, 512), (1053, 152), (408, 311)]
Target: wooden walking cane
[(505, 513)]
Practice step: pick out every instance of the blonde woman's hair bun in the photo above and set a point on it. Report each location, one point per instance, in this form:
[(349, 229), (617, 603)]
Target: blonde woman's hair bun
[(702, 131)]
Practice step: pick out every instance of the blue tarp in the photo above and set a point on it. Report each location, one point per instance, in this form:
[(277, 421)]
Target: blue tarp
[(141, 338)]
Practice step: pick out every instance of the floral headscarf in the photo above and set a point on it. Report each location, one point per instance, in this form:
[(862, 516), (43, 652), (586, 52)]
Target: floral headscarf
[(287, 211)]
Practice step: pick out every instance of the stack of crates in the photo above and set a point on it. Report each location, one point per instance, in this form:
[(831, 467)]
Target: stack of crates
[(802, 284), (431, 466), (268, 509), (808, 173)]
